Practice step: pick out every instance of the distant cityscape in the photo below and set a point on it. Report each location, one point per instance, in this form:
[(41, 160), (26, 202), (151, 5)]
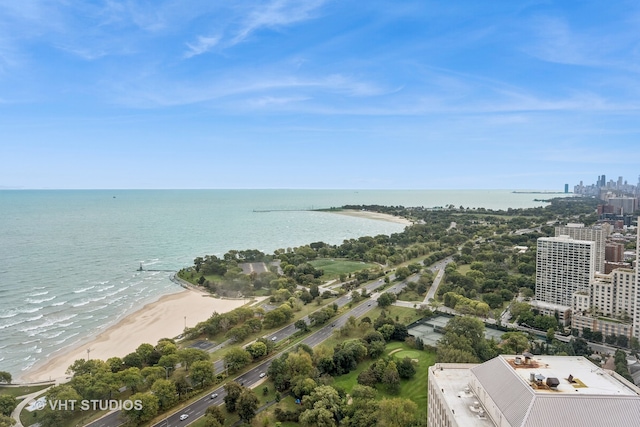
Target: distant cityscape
[(602, 187)]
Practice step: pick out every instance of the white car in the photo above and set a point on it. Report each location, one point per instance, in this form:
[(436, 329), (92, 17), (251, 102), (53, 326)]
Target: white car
[(184, 417), (214, 395), (262, 374), (273, 338)]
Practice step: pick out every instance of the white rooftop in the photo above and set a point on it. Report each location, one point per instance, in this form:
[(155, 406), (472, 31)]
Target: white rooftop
[(586, 377), (454, 381)]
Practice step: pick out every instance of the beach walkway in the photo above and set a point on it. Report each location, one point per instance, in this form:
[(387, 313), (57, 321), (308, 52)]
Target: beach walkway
[(27, 399)]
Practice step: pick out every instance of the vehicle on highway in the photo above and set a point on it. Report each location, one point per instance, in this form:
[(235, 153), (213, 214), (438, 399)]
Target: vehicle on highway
[(369, 305), (273, 338), (184, 417), (333, 325), (214, 395), (262, 374)]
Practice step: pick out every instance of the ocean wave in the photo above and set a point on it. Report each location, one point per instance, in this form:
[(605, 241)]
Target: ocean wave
[(53, 334), (37, 294), (30, 310), (38, 301), (59, 303), (97, 299), (66, 338), (8, 325), (8, 315), (80, 304), (117, 291), (105, 288), (100, 307), (79, 291)]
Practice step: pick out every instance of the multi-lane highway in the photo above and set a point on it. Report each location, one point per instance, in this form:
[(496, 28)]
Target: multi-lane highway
[(251, 378)]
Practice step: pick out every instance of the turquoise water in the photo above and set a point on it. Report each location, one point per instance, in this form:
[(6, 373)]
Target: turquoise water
[(68, 259)]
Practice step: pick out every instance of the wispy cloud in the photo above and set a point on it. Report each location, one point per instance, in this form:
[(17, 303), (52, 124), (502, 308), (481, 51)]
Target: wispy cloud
[(202, 45), (276, 14)]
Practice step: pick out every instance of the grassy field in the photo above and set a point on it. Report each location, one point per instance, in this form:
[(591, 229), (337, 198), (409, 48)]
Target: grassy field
[(414, 389), (402, 314), (22, 390), (333, 268), (407, 295)]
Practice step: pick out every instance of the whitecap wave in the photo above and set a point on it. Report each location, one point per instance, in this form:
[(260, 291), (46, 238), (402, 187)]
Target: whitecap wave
[(58, 303), (29, 310), (8, 315), (37, 294), (79, 291), (39, 301), (80, 304)]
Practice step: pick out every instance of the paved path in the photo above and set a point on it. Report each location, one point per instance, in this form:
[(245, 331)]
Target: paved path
[(26, 400)]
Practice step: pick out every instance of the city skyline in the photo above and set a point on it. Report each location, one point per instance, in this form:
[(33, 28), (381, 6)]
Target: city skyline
[(320, 94)]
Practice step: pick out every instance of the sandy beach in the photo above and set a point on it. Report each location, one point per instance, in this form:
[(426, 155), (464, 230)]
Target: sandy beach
[(374, 215), (160, 319)]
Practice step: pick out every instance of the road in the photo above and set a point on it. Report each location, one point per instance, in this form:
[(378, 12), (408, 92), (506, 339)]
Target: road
[(252, 378)]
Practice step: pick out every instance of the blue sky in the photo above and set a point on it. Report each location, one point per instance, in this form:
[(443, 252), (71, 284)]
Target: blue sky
[(318, 94)]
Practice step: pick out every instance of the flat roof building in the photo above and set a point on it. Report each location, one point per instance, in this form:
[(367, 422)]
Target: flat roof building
[(563, 266), (530, 391)]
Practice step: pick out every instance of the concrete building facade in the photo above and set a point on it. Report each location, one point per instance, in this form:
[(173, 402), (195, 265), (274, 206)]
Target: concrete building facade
[(597, 234), (563, 267)]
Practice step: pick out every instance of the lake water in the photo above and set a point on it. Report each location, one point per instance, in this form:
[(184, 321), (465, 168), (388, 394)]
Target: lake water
[(68, 259)]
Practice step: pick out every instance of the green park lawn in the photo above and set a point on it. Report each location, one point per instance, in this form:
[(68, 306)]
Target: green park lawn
[(403, 315), (333, 268), (414, 389), (22, 390)]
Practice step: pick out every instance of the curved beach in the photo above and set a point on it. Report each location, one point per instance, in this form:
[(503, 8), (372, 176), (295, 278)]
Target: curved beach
[(160, 319), (374, 215)]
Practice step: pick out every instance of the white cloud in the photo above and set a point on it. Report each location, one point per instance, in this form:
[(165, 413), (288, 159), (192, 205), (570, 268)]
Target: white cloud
[(202, 45), (277, 13)]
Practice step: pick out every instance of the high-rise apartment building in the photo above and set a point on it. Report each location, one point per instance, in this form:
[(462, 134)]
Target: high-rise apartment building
[(530, 391), (596, 234), (563, 267)]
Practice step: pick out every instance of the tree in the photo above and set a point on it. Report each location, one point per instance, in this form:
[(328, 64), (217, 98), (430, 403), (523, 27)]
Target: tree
[(7, 404), (148, 354), (257, 349), (396, 412), (5, 377), (234, 390), (406, 370), (247, 405), (202, 372), (55, 396), (302, 325), (322, 407), (165, 391), (144, 407), (386, 299), (132, 378), (189, 355), (7, 421), (551, 333), (214, 417), (391, 378), (237, 358)]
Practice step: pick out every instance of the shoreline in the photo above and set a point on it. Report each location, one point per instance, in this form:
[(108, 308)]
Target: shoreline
[(372, 215), (163, 318)]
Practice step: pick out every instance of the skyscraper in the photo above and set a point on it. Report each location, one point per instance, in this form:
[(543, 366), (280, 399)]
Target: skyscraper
[(595, 234), (563, 266)]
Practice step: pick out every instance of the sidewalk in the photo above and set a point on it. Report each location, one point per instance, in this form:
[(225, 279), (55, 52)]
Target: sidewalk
[(26, 400)]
